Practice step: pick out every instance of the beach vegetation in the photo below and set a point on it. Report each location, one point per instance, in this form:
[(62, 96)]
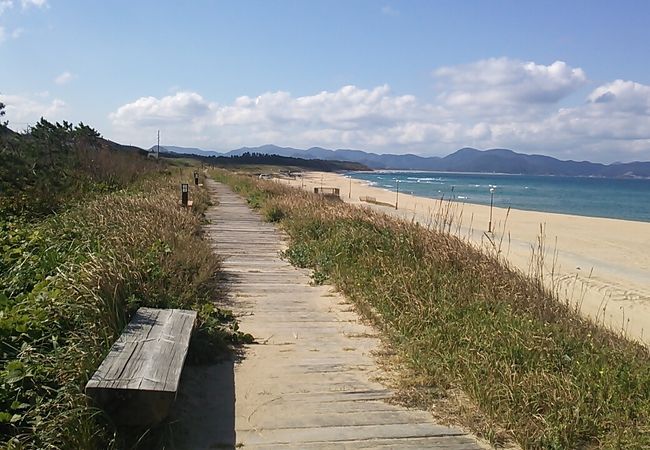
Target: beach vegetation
[(89, 233), (465, 325)]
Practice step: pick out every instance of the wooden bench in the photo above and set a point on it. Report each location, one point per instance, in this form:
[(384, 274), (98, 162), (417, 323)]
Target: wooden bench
[(328, 191), (374, 201), (137, 381)]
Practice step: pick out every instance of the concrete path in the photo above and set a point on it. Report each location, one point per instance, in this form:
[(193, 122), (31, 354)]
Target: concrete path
[(309, 383)]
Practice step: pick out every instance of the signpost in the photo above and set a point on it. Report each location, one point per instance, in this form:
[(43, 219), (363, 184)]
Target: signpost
[(397, 195), (196, 178), (491, 203), (185, 189)]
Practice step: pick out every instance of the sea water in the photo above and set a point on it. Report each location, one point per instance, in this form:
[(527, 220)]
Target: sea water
[(597, 197)]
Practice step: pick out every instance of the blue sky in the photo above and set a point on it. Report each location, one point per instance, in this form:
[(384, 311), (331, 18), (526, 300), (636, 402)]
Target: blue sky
[(567, 79)]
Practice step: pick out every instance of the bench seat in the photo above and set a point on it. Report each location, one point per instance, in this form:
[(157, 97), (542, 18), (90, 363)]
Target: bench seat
[(137, 381)]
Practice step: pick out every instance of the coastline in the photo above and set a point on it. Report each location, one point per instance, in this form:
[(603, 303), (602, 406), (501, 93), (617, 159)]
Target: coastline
[(621, 211), (599, 264), (444, 172)]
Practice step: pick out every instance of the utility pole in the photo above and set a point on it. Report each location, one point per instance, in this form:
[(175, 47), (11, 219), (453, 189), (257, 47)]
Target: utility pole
[(158, 153), (350, 192)]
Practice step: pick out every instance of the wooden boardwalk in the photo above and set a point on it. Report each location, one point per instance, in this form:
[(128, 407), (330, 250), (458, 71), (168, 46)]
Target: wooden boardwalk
[(309, 383)]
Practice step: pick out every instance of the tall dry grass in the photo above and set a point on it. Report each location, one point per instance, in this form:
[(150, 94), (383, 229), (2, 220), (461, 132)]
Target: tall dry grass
[(70, 285), (463, 320)]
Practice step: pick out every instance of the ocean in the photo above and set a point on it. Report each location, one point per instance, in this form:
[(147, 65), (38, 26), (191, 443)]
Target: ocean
[(627, 199)]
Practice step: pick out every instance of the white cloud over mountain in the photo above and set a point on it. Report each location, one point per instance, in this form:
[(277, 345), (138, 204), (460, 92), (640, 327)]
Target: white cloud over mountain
[(501, 102), (491, 103)]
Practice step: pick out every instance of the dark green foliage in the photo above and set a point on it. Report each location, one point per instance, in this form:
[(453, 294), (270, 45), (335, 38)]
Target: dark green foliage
[(69, 281), (248, 158), (273, 214), (54, 163), (2, 113), (69, 284)]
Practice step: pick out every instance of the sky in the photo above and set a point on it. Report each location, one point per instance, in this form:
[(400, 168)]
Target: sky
[(569, 79)]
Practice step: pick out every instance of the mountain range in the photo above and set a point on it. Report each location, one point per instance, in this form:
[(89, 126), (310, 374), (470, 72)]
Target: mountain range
[(463, 160)]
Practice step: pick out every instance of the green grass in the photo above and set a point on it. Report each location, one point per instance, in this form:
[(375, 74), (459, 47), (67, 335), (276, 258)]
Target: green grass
[(460, 319), (77, 257)]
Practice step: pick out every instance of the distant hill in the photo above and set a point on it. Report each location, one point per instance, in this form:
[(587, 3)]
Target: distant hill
[(123, 148), (248, 158), (463, 160), (185, 150)]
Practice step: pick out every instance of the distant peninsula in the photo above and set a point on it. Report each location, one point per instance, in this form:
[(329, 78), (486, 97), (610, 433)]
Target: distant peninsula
[(463, 160)]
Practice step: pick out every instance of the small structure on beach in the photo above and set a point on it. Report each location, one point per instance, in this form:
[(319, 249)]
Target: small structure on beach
[(328, 191)]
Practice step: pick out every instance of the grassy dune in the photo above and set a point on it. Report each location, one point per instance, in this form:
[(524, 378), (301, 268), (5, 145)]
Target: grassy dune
[(69, 285), (87, 235), (462, 320)]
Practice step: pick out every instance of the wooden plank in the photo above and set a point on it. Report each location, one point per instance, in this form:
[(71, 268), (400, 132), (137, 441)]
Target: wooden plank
[(140, 375), (314, 382), (150, 353)]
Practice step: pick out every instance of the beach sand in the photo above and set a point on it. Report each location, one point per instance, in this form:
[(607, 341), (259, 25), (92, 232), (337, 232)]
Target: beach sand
[(601, 265)]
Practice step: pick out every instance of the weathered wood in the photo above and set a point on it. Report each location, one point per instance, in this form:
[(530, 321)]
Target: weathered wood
[(367, 198), (138, 379), (314, 382), (328, 191)]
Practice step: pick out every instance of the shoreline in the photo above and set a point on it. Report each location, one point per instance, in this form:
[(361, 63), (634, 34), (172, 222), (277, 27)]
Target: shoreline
[(491, 173), (463, 201), (600, 265)]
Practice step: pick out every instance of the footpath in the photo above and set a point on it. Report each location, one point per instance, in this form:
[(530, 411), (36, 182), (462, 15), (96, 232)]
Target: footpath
[(310, 380)]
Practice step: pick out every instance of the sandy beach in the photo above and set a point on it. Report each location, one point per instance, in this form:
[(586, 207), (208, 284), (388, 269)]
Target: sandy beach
[(601, 265)]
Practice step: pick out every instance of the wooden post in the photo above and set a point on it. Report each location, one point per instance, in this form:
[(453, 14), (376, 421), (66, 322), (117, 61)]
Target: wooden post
[(491, 203), (185, 188), (196, 178), (397, 195)]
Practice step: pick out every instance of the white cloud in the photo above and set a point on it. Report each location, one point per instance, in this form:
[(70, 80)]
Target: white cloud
[(181, 108), (622, 95), (5, 35), (347, 116), (26, 109), (5, 5), (498, 83), (64, 78), (515, 105), (37, 3)]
